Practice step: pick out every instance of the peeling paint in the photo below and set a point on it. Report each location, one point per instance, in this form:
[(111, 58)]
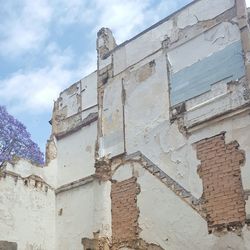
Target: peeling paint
[(197, 79)]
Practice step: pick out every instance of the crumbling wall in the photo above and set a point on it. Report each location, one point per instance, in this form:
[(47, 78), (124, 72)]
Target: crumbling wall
[(74, 131), (188, 83), (135, 77), (217, 46), (167, 221), (236, 131), (197, 95), (72, 143), (158, 208), (222, 187), (124, 211), (77, 211), (126, 140), (75, 107)]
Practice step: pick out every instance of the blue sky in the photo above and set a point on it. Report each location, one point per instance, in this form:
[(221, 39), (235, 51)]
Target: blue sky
[(46, 45)]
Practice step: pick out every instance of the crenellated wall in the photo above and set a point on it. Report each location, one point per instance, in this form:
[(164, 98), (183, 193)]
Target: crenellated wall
[(27, 207)]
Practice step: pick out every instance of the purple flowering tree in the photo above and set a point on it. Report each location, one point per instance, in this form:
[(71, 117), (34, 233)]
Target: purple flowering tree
[(16, 141)]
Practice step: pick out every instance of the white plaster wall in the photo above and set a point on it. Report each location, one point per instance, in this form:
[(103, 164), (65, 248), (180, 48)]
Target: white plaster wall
[(209, 42), (76, 220), (75, 155), (132, 52), (104, 62), (89, 90), (222, 98), (147, 100), (202, 10), (84, 210), (27, 215), (112, 140), (166, 220), (26, 169), (123, 172), (151, 41), (50, 173), (147, 125), (69, 99), (148, 129), (79, 96), (86, 113), (169, 222), (102, 209)]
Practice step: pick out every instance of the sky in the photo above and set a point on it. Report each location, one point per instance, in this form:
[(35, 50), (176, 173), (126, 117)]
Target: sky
[(47, 45)]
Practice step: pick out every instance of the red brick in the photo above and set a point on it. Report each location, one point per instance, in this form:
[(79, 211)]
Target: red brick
[(221, 176), (124, 211)]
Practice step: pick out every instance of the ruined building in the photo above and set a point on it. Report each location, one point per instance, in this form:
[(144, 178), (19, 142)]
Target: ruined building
[(152, 150)]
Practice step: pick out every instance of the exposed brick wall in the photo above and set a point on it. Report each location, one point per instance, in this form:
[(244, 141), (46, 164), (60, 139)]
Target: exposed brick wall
[(95, 244), (222, 187), (124, 211)]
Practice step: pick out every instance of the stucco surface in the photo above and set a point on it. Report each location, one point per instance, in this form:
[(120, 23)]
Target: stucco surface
[(27, 214), (76, 155), (166, 220), (74, 217)]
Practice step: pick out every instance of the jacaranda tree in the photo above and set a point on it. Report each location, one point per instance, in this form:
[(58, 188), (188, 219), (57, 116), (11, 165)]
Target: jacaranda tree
[(15, 140)]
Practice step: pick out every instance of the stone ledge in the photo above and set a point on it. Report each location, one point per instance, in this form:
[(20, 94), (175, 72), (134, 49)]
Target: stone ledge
[(75, 184)]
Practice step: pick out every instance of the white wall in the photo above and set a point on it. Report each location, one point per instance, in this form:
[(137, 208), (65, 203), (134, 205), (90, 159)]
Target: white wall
[(168, 221), (35, 219), (84, 210), (76, 220), (89, 90), (209, 42), (112, 140), (102, 209), (151, 41), (148, 129), (147, 125), (79, 96), (26, 168), (27, 212), (75, 155)]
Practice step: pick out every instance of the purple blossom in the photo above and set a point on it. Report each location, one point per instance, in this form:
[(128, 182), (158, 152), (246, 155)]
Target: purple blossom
[(16, 141)]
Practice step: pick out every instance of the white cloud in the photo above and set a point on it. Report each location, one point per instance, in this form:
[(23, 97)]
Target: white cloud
[(73, 11), (23, 26), (248, 3), (29, 26), (35, 90), (124, 18)]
